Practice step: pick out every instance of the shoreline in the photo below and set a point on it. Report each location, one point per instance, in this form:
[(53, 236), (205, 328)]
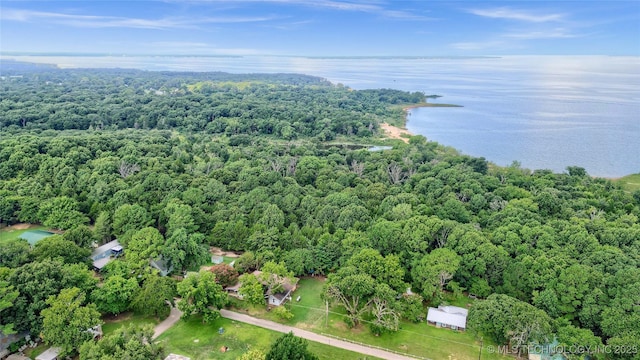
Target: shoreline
[(396, 133)]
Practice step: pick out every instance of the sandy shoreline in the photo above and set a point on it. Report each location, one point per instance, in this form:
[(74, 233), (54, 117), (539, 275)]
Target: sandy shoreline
[(394, 132)]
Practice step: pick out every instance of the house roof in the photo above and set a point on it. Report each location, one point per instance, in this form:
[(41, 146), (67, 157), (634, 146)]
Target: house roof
[(235, 287), (104, 248), (49, 354), (34, 236), (100, 263), (161, 265), (454, 310), (17, 357), (447, 318)]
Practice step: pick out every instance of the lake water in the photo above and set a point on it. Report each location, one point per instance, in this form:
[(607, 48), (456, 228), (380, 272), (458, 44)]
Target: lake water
[(546, 112)]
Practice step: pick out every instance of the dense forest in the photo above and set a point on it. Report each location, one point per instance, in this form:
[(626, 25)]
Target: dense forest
[(172, 163)]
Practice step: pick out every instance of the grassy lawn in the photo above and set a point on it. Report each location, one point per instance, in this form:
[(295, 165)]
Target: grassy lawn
[(630, 183), (419, 339), (33, 352), (202, 341), (112, 323), (9, 233)]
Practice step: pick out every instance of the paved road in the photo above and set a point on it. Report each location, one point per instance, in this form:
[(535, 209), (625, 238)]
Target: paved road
[(313, 336), (173, 317)]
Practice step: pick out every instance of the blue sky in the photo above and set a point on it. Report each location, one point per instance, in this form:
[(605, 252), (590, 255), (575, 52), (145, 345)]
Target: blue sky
[(322, 27)]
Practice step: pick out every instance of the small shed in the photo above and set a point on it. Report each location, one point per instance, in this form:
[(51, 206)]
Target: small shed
[(34, 236), (451, 317), (217, 259), (176, 357), (49, 354)]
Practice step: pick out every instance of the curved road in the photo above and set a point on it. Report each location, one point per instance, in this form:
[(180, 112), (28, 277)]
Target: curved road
[(313, 336)]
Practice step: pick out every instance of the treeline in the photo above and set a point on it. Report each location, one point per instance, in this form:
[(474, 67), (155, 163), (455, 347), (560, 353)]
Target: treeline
[(285, 105), (555, 255)]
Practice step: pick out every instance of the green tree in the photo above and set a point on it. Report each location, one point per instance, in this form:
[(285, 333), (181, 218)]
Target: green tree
[(507, 320), (14, 253), (66, 321), (115, 295), (155, 296), (251, 289), (434, 270), (201, 295), (182, 251), (145, 244), (57, 247), (81, 236), (289, 347), (61, 213), (102, 227), (128, 219), (7, 296), (38, 281), (131, 342), (352, 289)]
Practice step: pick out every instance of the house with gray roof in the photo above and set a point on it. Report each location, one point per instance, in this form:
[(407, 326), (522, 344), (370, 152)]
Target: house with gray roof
[(106, 253), (451, 317)]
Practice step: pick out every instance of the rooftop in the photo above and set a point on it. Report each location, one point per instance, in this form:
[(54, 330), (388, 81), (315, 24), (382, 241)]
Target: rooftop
[(438, 315), (49, 354)]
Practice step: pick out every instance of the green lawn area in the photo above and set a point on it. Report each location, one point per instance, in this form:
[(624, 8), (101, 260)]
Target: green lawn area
[(630, 182), (112, 323), (9, 233), (419, 339), (202, 341)]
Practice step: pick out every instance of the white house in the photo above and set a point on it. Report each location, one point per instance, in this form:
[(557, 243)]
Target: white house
[(452, 317)]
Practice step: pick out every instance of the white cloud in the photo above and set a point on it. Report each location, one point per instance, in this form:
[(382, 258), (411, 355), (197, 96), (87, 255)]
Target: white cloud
[(513, 14), (558, 33), (93, 21)]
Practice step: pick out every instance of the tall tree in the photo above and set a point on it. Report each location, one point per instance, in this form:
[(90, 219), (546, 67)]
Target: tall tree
[(115, 295), (201, 294), (7, 296), (66, 321), (132, 342), (434, 270), (289, 347), (155, 296)]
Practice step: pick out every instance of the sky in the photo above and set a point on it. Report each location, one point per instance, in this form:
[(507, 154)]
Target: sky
[(321, 27)]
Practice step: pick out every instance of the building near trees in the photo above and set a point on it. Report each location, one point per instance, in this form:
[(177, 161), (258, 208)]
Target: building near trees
[(451, 317), (104, 254)]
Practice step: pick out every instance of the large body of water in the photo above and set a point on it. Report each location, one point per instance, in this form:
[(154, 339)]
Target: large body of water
[(546, 112)]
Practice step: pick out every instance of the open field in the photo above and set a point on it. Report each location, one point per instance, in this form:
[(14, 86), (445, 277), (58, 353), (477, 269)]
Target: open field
[(13, 231), (203, 341), (630, 182), (418, 339)]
